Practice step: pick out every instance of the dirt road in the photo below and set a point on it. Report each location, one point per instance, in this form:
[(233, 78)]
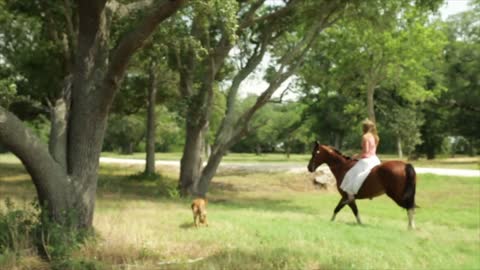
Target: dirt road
[(287, 167)]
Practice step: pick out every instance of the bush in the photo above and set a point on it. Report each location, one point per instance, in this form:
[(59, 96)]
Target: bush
[(32, 230), (16, 227), (57, 241)]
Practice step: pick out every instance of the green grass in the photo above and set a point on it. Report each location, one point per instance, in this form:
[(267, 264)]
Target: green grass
[(271, 221)]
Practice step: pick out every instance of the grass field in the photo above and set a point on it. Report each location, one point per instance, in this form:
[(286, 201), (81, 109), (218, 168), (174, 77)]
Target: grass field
[(267, 221)]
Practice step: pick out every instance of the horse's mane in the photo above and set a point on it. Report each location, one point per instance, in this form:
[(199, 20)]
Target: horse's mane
[(340, 153)]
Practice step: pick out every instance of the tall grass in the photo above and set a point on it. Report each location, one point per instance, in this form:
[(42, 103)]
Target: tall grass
[(272, 221)]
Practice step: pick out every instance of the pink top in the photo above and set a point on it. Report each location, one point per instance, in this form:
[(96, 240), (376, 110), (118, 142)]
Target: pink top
[(369, 146)]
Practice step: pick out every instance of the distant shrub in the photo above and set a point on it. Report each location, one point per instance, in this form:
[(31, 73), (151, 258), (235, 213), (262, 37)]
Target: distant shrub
[(159, 185)]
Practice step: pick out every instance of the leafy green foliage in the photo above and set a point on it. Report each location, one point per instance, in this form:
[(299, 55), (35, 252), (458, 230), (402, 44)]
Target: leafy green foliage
[(463, 65), (31, 228), (455, 113), (8, 92), (277, 127), (394, 51), (16, 228), (125, 133), (29, 41), (58, 241), (170, 134)]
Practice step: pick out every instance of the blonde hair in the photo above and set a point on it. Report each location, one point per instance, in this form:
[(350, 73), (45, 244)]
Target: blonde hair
[(369, 126)]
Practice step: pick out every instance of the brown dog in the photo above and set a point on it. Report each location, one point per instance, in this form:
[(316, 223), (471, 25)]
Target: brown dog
[(199, 209)]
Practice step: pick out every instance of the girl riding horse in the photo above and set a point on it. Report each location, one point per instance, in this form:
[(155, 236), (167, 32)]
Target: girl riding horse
[(354, 178), (395, 178)]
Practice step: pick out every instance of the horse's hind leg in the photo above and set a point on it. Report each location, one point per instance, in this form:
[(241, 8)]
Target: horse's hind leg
[(411, 222), (354, 208), (339, 207)]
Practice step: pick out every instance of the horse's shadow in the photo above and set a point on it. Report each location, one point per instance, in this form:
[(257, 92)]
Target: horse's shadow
[(355, 224), (190, 225)]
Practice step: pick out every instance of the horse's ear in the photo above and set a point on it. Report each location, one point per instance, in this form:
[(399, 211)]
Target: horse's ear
[(317, 143)]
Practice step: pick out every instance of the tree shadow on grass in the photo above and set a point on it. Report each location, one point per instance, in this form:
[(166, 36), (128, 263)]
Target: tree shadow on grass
[(249, 170), (136, 187), (220, 187), (265, 204)]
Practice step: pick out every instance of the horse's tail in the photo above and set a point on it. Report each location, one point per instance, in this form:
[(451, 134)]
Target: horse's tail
[(408, 199)]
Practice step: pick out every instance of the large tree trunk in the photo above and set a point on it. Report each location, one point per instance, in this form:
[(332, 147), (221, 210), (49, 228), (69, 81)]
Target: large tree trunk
[(338, 140), (58, 132), (88, 115), (150, 145), (197, 121), (371, 102), (287, 148), (201, 187), (191, 162), (86, 132), (57, 143), (399, 147), (97, 77), (258, 149), (431, 153), (471, 148), (208, 149)]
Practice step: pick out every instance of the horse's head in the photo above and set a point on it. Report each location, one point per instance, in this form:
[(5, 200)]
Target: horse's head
[(320, 155)]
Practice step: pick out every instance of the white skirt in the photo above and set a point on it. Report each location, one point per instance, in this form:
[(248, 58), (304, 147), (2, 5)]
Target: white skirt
[(355, 177)]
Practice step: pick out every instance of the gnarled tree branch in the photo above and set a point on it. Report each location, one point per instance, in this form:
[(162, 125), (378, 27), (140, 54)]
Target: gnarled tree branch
[(130, 43), (34, 154)]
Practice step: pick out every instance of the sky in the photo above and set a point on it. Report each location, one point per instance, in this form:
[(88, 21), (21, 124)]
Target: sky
[(254, 84), (451, 7)]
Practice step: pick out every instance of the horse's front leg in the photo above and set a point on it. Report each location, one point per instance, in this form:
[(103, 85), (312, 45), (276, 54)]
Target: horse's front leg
[(339, 207), (354, 208)]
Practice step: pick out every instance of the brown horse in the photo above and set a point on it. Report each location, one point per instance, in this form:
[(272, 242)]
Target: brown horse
[(395, 178)]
